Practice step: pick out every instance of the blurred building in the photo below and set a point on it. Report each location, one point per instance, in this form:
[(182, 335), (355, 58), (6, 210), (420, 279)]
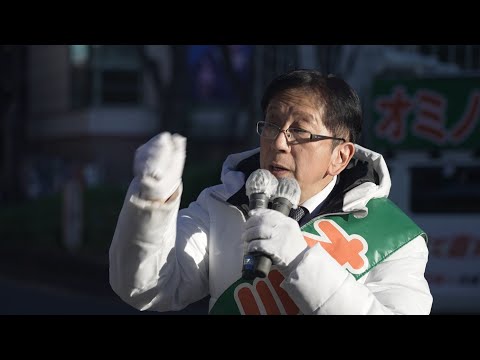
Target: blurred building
[(89, 107), (82, 110), (70, 109)]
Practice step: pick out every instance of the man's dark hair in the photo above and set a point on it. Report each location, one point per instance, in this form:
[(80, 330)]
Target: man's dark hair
[(342, 110)]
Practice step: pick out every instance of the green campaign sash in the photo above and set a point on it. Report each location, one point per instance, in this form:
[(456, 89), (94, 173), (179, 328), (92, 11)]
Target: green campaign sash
[(357, 244)]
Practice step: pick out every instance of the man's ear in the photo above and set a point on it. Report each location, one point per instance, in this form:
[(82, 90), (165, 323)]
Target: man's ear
[(341, 156)]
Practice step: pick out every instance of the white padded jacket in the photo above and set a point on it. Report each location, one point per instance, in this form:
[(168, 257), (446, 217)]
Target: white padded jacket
[(163, 259)]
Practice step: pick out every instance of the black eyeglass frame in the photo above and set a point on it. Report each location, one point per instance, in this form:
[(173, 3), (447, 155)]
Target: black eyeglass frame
[(313, 137)]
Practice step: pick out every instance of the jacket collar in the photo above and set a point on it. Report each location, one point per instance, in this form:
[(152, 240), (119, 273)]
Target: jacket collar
[(246, 166), (344, 196)]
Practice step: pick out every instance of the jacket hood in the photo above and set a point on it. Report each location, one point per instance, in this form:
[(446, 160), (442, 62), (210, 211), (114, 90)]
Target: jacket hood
[(376, 185), (366, 177), (237, 167)]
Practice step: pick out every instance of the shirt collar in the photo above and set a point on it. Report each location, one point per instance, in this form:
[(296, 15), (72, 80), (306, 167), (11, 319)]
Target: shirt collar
[(316, 200)]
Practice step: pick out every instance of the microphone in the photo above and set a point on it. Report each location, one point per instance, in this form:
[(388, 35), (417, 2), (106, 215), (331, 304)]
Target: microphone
[(260, 186), (286, 197)]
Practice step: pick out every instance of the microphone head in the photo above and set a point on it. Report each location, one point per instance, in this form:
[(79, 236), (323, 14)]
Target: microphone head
[(261, 181), (289, 189)]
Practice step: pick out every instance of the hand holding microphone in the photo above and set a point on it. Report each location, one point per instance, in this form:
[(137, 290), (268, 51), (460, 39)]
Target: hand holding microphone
[(159, 164), (260, 186), (271, 234), (276, 236)]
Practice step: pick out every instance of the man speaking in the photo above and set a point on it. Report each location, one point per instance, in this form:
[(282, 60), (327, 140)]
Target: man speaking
[(346, 249)]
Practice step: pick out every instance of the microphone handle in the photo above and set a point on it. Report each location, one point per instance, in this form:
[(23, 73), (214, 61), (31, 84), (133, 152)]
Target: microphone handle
[(282, 204), (263, 262), (257, 264), (258, 201)]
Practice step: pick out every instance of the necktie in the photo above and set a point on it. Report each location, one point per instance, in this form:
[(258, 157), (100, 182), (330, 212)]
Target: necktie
[(297, 213)]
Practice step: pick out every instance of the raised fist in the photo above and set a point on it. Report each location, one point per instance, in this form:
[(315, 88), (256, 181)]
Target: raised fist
[(159, 165)]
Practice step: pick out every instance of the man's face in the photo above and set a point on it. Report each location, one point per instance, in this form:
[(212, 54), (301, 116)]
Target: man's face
[(307, 162)]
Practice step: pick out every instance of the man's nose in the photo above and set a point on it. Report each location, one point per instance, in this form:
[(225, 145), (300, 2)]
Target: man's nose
[(282, 142)]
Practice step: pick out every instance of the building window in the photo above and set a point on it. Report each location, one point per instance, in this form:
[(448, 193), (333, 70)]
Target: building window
[(105, 75)]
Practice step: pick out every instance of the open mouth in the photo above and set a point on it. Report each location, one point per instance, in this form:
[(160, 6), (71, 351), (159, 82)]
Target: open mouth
[(278, 170)]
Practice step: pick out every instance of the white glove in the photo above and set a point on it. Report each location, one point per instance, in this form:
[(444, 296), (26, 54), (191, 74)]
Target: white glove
[(159, 164), (277, 236)]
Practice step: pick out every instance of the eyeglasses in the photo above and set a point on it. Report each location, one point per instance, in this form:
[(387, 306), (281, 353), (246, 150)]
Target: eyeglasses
[(271, 131)]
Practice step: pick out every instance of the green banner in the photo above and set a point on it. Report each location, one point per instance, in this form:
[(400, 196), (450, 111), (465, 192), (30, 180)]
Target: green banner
[(428, 113), (357, 245)]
